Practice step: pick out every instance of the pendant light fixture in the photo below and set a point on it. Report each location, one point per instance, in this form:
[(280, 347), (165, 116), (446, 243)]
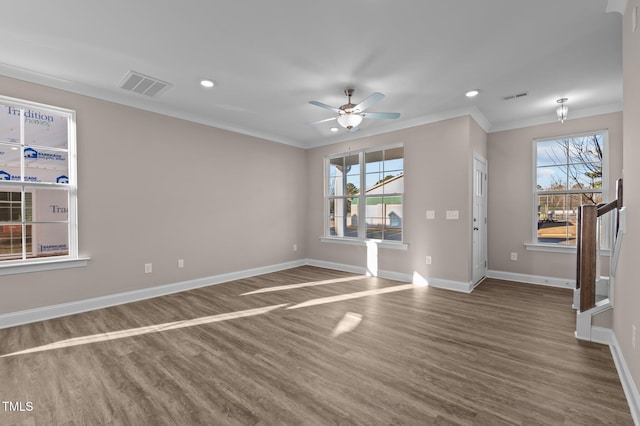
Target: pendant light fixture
[(562, 110)]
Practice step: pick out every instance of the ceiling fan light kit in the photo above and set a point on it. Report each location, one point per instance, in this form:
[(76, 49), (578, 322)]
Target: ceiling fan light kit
[(350, 120), (349, 115)]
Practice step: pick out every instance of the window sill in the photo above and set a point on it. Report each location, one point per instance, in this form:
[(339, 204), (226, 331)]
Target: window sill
[(39, 265), (556, 248), (357, 242)]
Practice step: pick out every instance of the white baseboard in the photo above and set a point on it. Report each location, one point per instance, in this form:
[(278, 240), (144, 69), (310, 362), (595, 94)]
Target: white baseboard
[(451, 285), (601, 335), (337, 266), (628, 385), (55, 311), (397, 276), (532, 279)]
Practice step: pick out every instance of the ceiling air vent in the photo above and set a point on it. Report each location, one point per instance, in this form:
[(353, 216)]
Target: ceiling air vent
[(516, 96), (143, 84)]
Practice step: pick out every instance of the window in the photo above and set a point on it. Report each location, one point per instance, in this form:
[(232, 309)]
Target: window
[(570, 171), (37, 183), (367, 185)]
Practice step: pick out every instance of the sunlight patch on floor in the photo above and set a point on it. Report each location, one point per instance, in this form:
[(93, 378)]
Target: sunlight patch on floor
[(349, 296), (302, 285), (348, 323), (103, 337)]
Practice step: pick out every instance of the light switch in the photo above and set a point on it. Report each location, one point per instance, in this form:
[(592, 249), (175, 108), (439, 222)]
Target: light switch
[(453, 214)]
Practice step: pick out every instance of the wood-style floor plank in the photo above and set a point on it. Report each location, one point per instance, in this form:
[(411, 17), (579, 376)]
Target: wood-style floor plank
[(504, 355)]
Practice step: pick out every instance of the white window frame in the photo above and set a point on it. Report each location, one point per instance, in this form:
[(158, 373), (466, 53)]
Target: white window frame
[(559, 248), (361, 240), (72, 259)]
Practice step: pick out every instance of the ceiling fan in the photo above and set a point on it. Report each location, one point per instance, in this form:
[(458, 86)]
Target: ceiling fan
[(351, 115)]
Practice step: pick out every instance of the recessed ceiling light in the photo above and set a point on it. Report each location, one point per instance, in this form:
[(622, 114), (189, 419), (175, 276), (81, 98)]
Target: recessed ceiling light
[(207, 83), (334, 129), (471, 93)]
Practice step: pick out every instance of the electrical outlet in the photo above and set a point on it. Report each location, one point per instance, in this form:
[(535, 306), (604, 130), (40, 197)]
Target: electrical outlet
[(428, 260), (453, 214), (514, 256), (148, 268), (633, 336), (295, 247), (431, 214), (180, 263)]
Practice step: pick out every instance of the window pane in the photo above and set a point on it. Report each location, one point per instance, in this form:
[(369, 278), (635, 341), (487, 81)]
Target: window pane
[(335, 174), (50, 239), (9, 156), (343, 217), (382, 166), (556, 219), (394, 160), (384, 218), (352, 167), (551, 178), (374, 168), (585, 176), (9, 124), (52, 206), (45, 129), (45, 166), (11, 241), (344, 176), (9, 162), (585, 149), (558, 215), (10, 205), (551, 153)]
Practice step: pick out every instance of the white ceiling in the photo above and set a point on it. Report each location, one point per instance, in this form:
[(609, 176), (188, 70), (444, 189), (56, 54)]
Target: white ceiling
[(270, 58)]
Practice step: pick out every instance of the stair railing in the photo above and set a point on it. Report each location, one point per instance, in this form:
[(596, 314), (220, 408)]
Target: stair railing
[(587, 246)]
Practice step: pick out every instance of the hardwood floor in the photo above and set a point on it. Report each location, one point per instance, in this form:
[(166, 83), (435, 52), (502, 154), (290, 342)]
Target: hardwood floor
[(334, 352)]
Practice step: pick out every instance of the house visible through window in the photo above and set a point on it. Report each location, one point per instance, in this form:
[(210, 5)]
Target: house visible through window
[(37, 182), (365, 194), (570, 171)]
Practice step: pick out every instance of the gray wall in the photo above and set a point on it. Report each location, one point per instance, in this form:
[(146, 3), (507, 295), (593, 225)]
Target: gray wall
[(627, 296), (153, 189), (438, 160), (511, 200)]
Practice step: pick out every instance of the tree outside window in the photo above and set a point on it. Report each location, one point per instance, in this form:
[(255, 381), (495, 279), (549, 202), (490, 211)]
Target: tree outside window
[(570, 171)]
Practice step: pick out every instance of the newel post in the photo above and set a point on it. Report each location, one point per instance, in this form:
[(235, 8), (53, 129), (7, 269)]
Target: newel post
[(587, 252)]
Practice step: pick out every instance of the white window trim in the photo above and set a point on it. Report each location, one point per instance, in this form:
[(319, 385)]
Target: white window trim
[(363, 242), (326, 238), (39, 265), (58, 262), (559, 248)]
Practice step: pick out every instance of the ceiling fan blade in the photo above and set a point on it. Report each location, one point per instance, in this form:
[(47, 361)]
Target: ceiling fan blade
[(329, 107), (380, 114), (370, 100), (322, 121)]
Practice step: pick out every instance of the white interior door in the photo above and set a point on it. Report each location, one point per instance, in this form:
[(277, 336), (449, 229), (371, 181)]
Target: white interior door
[(479, 224)]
